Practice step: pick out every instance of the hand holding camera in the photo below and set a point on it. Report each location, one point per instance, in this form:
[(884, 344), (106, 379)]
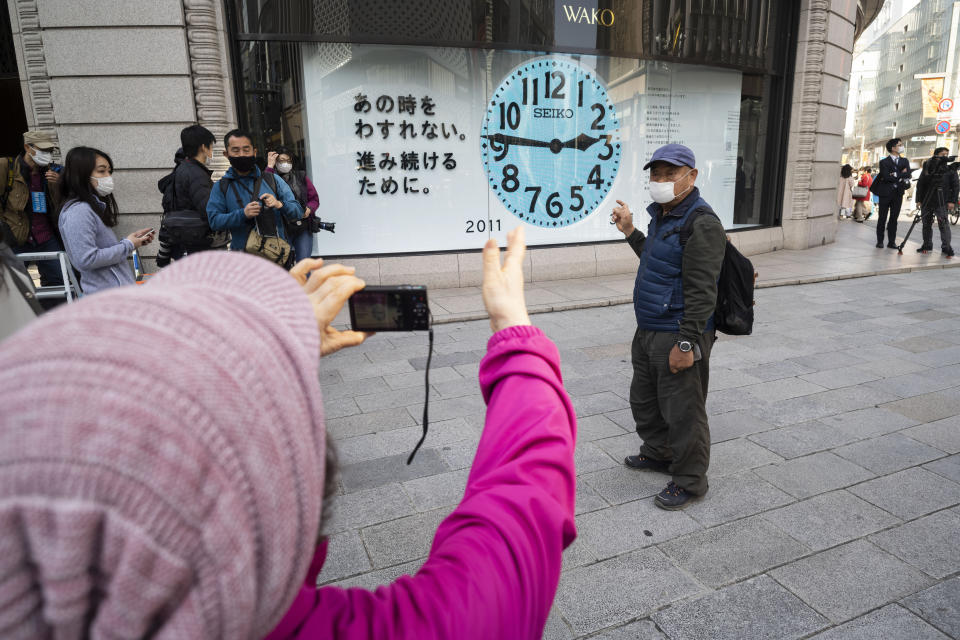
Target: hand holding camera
[(270, 201), (252, 210), (328, 288)]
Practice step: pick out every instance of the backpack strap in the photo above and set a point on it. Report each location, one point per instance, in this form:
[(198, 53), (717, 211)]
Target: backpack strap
[(687, 229)]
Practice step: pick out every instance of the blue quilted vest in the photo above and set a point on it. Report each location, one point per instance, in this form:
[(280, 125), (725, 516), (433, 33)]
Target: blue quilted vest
[(658, 290)]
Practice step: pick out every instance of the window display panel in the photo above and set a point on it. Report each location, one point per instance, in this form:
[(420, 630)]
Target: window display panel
[(419, 149)]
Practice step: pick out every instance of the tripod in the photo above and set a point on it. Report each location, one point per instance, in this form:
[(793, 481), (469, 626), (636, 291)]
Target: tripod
[(927, 200)]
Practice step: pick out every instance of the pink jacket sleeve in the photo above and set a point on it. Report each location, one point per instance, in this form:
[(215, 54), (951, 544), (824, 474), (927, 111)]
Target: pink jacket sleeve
[(495, 562)]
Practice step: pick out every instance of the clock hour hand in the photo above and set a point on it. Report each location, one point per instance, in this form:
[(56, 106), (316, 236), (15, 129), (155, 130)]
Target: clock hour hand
[(582, 142)]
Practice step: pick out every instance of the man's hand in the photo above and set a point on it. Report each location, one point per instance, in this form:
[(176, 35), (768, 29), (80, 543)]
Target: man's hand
[(272, 159), (270, 201), (680, 361), (252, 210), (622, 217), (52, 176), (328, 289), (503, 286)]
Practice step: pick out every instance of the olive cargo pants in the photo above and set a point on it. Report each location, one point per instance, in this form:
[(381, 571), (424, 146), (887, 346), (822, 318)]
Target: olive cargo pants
[(670, 409)]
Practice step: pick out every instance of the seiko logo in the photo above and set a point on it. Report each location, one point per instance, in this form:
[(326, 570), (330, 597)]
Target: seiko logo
[(581, 14), (543, 112)]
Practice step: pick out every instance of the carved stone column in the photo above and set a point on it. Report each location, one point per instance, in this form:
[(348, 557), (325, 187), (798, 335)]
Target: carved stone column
[(822, 69), (34, 68), (209, 65)]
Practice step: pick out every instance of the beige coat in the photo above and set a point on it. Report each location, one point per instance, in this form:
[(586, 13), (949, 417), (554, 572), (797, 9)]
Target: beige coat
[(845, 192)]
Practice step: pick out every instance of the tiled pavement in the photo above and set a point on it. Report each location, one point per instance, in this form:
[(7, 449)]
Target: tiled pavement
[(834, 508)]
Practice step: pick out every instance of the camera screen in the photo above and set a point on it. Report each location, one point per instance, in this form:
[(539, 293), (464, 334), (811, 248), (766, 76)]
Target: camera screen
[(378, 311)]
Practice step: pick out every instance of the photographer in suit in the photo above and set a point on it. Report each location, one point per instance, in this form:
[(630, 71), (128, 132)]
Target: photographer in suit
[(937, 192), (892, 179)]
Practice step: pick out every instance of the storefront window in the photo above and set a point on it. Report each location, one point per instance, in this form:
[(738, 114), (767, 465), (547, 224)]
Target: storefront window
[(419, 148)]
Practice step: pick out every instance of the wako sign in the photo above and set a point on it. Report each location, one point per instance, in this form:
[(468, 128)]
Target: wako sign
[(580, 14)]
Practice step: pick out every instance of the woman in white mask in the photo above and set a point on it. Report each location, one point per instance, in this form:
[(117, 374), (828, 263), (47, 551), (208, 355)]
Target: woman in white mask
[(283, 162), (86, 221)]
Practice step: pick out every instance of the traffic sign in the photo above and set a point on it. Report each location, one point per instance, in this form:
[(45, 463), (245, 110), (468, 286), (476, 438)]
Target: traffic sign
[(945, 105), (943, 126)]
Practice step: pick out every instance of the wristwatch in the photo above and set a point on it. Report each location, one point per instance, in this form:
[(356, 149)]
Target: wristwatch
[(685, 346)]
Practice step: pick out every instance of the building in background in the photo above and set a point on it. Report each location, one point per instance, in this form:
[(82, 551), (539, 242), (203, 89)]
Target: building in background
[(903, 65), (755, 87)]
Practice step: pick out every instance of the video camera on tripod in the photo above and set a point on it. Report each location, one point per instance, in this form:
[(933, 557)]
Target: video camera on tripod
[(938, 166), (930, 187)]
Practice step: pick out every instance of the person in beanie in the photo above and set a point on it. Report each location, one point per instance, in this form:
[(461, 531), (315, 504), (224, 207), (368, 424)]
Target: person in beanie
[(201, 520), (674, 298)]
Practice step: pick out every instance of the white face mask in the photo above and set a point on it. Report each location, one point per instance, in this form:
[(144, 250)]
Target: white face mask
[(42, 158), (899, 149), (104, 186), (662, 192), (284, 167)]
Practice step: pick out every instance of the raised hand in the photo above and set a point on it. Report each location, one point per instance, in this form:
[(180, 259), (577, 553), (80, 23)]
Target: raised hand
[(503, 286)]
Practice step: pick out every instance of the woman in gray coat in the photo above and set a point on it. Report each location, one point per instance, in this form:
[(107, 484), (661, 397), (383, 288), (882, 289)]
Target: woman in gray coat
[(89, 212)]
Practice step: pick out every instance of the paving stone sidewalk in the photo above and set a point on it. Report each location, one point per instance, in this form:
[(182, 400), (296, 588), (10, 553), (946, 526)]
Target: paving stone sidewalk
[(834, 508)]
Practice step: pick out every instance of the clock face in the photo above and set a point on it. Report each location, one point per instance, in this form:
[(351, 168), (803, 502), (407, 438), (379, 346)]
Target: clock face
[(551, 142)]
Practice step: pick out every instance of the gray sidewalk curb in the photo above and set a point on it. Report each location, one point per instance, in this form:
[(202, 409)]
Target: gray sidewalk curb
[(617, 300)]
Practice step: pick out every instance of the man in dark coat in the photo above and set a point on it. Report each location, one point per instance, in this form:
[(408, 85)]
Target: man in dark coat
[(937, 191), (187, 188), (892, 179)]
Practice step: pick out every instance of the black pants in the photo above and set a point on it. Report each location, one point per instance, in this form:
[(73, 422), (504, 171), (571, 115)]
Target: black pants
[(940, 213), (891, 205), (669, 409)]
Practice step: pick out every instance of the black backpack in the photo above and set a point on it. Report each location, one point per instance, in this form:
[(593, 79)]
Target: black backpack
[(734, 312), (185, 227)]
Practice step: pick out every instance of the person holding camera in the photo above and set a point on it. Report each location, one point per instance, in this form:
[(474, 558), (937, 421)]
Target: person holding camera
[(282, 161), (215, 505), (937, 191), (892, 179), (233, 206)]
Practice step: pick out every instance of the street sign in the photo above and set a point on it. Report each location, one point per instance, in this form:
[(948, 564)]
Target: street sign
[(943, 126), (945, 105)]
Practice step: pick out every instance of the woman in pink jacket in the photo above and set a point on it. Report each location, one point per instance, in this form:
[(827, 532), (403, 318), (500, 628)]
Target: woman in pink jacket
[(166, 478)]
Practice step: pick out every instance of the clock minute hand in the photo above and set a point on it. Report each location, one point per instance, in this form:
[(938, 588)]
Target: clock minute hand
[(515, 141), (582, 142)]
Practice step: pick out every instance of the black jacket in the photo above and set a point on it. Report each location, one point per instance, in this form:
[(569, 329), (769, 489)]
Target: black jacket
[(948, 181), (892, 178), (188, 187)]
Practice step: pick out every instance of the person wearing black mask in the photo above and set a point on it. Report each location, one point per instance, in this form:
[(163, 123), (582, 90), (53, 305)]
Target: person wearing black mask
[(892, 179), (233, 206)]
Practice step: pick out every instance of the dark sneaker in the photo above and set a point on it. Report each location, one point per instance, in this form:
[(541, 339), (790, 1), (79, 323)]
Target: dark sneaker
[(879, 245), (890, 245), (924, 249), (948, 252), (673, 498), (643, 463)]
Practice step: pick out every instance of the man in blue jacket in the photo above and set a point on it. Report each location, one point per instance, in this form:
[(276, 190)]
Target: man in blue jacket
[(674, 299), (892, 179), (233, 205)]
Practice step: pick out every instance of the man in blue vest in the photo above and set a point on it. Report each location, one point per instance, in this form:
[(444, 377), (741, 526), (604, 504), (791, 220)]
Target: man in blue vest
[(674, 298)]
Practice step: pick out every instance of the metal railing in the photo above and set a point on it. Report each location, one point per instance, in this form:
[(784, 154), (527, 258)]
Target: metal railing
[(70, 289)]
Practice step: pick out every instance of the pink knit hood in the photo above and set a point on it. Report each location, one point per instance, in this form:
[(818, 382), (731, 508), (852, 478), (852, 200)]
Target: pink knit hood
[(161, 457)]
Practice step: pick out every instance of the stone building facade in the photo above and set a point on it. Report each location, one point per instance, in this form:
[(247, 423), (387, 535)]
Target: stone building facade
[(125, 77)]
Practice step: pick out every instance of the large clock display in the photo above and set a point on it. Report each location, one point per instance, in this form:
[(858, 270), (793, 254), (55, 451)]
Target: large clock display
[(551, 142)]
